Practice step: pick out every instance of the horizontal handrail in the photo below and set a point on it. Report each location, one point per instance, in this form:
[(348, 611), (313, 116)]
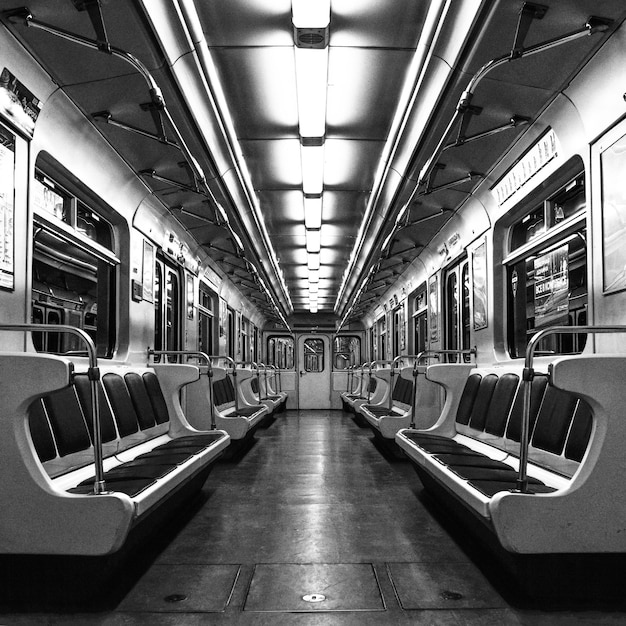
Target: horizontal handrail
[(528, 376), (93, 373), (429, 354), (188, 353)]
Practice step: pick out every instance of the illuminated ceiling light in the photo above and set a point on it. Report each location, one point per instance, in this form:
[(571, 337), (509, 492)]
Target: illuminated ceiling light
[(311, 86), (310, 13), (313, 288), (313, 308), (313, 212), (313, 261), (313, 241), (314, 276), (312, 169)]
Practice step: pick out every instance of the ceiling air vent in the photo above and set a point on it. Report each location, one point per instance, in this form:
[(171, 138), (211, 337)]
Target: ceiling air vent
[(311, 37)]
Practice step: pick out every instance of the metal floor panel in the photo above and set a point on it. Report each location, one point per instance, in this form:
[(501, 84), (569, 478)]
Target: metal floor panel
[(308, 587), (446, 585), (182, 589)]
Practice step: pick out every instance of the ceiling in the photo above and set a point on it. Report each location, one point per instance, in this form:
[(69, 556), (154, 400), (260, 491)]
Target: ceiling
[(396, 71)]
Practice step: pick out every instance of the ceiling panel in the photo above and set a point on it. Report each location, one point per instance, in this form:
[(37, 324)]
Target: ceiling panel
[(364, 86), (259, 85), (237, 23), (372, 23)]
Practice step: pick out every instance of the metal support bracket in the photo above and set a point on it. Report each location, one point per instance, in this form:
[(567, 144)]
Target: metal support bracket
[(527, 14)]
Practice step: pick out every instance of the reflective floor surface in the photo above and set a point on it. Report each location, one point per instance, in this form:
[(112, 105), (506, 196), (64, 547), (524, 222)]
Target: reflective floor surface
[(314, 524)]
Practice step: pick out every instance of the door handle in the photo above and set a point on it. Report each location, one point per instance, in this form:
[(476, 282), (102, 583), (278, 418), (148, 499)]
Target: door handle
[(301, 373)]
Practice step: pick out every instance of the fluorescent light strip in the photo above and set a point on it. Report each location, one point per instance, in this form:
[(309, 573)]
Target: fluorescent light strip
[(312, 169), (313, 213), (313, 241), (311, 86), (310, 13), (313, 261)]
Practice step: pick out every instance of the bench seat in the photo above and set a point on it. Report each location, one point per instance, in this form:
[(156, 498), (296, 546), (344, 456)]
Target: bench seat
[(573, 502), (230, 415), (395, 413), (151, 454)]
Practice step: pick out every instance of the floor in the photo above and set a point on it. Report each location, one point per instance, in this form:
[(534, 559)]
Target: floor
[(313, 525)]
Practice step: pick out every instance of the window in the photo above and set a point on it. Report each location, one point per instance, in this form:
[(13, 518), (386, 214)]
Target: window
[(245, 339), (457, 309), (420, 320), (74, 270), (381, 326), (346, 351), (398, 331), (167, 303), (206, 319), (314, 355), (280, 351), (231, 333), (547, 277)]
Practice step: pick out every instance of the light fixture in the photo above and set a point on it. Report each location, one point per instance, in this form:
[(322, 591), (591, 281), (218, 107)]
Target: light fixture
[(313, 241), (313, 307), (311, 35), (313, 261), (310, 13), (312, 169), (312, 212), (311, 86)]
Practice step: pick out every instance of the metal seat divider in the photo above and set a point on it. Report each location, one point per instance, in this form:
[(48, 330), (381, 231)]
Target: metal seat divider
[(273, 376), (429, 354), (193, 353), (528, 377), (256, 367), (261, 364), (93, 374)]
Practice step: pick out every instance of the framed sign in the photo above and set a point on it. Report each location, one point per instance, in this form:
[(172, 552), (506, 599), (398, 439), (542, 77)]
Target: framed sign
[(479, 285), (7, 209), (433, 307), (613, 164), (147, 279)]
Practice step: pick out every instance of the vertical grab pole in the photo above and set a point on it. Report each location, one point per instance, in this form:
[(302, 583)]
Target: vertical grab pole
[(414, 394), (93, 374), (527, 380), (369, 383), (211, 404)]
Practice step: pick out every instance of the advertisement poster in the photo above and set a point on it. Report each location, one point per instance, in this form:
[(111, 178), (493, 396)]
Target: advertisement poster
[(17, 103), (479, 280), (433, 307), (7, 208), (613, 162), (551, 288)]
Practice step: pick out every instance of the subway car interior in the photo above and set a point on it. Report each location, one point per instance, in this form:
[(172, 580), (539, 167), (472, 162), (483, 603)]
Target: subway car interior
[(312, 311)]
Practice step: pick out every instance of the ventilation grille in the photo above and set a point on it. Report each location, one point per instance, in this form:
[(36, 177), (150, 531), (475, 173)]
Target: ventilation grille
[(311, 37)]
